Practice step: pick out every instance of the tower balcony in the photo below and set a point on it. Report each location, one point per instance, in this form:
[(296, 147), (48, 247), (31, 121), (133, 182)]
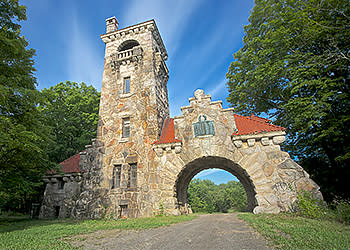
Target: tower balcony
[(126, 57)]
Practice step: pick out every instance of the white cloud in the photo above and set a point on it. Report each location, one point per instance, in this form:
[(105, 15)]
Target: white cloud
[(171, 17), (84, 64), (207, 172), (218, 88)]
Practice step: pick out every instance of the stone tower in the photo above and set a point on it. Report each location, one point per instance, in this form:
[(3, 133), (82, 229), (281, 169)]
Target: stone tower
[(134, 85), (134, 104)]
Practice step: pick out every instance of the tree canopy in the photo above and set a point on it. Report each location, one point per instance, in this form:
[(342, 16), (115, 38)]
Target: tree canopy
[(206, 196), (23, 137), (71, 111), (294, 67)]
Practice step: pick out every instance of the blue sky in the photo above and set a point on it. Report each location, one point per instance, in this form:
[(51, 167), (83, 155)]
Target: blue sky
[(199, 35)]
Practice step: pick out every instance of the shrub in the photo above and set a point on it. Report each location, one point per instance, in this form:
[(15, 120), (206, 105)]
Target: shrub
[(342, 210), (310, 206)]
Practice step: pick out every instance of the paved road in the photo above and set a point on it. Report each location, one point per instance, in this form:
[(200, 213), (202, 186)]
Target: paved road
[(216, 231)]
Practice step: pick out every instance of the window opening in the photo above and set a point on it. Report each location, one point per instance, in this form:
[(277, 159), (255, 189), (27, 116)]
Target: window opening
[(116, 176), (126, 127), (57, 211), (132, 181), (126, 88), (60, 183), (123, 211), (128, 45)]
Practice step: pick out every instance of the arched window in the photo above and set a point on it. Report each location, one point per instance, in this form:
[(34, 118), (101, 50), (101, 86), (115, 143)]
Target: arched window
[(129, 44)]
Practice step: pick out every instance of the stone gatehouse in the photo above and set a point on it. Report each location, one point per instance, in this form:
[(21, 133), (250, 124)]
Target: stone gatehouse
[(143, 160)]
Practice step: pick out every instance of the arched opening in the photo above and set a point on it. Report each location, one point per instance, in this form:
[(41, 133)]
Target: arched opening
[(200, 164), (129, 44)]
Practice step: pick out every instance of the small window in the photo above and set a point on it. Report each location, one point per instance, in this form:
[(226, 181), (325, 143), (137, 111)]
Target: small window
[(132, 181), (126, 127), (60, 183), (123, 211), (116, 176), (126, 87), (57, 211)]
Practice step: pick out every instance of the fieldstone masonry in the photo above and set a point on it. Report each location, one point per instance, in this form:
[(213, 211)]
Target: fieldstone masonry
[(142, 161)]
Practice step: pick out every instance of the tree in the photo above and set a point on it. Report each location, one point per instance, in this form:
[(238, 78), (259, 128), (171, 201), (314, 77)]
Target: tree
[(23, 137), (294, 67), (206, 196), (71, 110), (235, 195)]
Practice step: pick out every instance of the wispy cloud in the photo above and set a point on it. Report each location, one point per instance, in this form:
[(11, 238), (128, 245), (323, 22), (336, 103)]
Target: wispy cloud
[(207, 172), (84, 63), (218, 88), (170, 16)]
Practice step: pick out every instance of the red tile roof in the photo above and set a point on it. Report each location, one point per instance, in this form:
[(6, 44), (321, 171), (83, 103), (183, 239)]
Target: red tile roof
[(247, 125), (71, 165), (168, 133)]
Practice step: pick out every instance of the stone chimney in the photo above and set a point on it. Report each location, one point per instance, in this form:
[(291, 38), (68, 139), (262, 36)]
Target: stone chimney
[(111, 24)]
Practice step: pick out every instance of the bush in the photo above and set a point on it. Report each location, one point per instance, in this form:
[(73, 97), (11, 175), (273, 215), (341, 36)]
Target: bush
[(342, 210), (310, 206)]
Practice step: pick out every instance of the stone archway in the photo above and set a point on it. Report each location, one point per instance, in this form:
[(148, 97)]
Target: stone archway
[(199, 164)]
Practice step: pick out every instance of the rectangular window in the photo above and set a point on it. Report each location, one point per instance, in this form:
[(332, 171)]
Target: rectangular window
[(116, 176), (132, 181), (126, 88), (60, 183), (126, 127), (123, 211)]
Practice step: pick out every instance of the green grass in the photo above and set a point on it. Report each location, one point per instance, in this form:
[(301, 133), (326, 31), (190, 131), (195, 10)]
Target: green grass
[(288, 231), (23, 233)]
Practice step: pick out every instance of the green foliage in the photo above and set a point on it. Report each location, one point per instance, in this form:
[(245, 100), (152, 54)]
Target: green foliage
[(71, 110), (288, 231), (55, 234), (23, 135), (204, 196), (342, 210), (160, 211), (310, 206), (294, 67)]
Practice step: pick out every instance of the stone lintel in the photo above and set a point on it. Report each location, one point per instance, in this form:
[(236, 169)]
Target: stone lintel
[(185, 107), (131, 159), (216, 102), (119, 161), (178, 117), (228, 110)]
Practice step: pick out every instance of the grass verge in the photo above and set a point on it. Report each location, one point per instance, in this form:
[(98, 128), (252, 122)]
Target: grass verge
[(288, 231), (50, 234)]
